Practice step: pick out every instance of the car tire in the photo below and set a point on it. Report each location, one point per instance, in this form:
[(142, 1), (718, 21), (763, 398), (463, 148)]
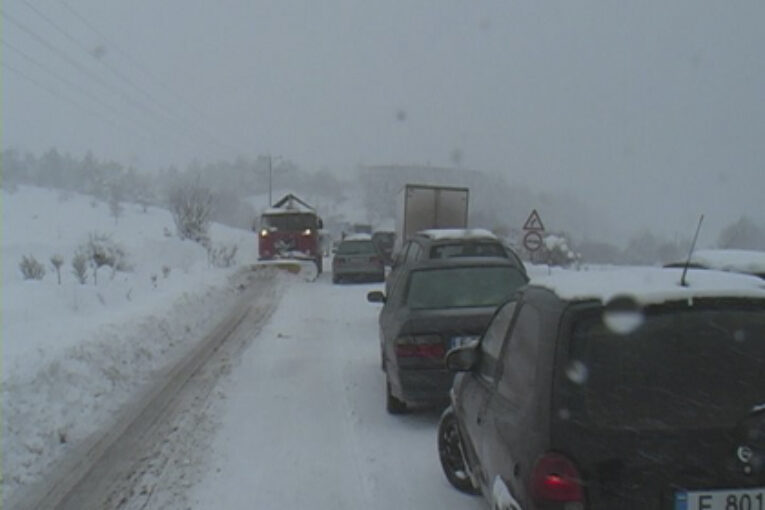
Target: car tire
[(450, 454), (392, 404)]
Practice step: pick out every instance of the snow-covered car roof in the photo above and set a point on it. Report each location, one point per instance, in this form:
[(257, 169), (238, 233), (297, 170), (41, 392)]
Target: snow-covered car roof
[(457, 233), (650, 285), (358, 237), (739, 261)]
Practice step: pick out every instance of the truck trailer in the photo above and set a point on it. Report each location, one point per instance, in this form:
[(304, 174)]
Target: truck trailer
[(424, 206)]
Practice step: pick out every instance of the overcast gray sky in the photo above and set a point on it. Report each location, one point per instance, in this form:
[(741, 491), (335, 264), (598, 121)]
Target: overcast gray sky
[(652, 112)]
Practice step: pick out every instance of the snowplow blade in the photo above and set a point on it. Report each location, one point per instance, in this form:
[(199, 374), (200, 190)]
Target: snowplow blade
[(306, 269)]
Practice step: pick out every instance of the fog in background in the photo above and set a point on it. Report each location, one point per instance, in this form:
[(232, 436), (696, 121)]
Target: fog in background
[(642, 114)]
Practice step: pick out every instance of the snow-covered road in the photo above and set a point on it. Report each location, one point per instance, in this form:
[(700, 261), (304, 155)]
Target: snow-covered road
[(302, 421)]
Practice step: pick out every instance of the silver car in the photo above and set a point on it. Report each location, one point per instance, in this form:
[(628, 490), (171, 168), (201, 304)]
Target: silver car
[(357, 258)]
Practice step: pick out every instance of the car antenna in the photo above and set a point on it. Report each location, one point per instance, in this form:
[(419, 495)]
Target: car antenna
[(690, 253)]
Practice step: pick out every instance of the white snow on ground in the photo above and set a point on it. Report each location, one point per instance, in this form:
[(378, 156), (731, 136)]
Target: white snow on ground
[(304, 422), (72, 353)]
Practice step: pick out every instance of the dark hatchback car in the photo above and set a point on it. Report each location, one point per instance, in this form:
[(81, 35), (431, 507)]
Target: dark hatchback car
[(434, 306), (449, 243), (614, 390)]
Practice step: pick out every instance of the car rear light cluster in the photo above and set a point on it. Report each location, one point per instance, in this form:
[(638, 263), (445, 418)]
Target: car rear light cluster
[(556, 479), (376, 260), (420, 346)]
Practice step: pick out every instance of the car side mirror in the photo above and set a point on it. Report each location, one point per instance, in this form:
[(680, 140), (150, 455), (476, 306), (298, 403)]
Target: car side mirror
[(462, 359), (376, 296)]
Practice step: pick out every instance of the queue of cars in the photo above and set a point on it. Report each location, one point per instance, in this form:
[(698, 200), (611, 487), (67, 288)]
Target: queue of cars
[(615, 389)]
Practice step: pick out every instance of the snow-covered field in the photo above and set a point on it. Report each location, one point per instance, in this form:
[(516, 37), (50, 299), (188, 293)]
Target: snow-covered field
[(73, 354)]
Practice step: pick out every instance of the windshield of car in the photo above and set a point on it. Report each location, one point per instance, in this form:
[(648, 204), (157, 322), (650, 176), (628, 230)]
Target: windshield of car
[(288, 222), (458, 287), (356, 248), (463, 249), (701, 367)]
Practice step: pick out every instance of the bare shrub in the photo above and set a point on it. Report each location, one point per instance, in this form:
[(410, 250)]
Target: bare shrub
[(31, 269), (80, 267), (57, 261), (101, 250), (222, 256), (192, 206)]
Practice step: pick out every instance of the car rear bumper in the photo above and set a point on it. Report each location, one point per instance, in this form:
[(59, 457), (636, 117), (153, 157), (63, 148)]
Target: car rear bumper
[(359, 273), (429, 386)]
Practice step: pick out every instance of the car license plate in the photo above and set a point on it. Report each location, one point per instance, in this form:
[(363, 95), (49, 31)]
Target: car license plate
[(732, 499), (459, 341)]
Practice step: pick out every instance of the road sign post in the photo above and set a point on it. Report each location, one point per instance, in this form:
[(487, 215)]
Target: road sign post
[(534, 227)]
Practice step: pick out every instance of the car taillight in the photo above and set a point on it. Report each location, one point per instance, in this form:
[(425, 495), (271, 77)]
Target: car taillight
[(420, 346), (339, 260), (375, 260), (555, 478)]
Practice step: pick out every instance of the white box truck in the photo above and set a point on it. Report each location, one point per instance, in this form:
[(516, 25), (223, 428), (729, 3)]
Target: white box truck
[(423, 206)]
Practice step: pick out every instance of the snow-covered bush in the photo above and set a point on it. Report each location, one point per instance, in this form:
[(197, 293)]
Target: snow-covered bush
[(222, 256), (101, 250), (557, 251), (80, 267), (31, 269), (191, 207)]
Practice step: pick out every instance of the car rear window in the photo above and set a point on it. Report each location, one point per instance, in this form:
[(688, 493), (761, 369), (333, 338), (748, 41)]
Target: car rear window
[(356, 248), (462, 249), (462, 286), (691, 369)]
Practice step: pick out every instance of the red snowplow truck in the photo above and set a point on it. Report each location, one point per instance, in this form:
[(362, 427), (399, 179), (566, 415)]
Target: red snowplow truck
[(289, 231)]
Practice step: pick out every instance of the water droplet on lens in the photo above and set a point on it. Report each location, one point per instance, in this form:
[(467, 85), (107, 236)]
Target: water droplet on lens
[(577, 372), (623, 315), (739, 335)]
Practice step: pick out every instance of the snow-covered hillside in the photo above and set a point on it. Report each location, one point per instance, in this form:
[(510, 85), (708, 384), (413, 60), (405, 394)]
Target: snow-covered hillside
[(74, 353)]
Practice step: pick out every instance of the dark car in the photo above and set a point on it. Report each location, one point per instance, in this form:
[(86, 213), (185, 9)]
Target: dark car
[(614, 390), (434, 306), (357, 258), (449, 243), (384, 240)]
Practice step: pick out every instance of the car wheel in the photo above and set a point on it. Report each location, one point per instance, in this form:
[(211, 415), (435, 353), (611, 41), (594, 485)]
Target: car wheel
[(392, 404), (450, 454), (335, 278)]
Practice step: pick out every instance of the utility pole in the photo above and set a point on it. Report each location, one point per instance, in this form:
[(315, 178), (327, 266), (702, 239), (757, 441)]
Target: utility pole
[(270, 201)]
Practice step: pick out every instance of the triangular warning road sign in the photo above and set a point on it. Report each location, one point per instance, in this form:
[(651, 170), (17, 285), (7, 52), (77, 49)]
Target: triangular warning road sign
[(534, 222)]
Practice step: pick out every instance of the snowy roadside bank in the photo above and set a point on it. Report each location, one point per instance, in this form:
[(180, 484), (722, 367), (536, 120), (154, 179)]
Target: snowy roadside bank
[(73, 354)]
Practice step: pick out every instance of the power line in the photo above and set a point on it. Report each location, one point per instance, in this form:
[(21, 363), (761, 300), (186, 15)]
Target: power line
[(65, 81), (82, 69), (188, 104), (170, 115), (62, 97)]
